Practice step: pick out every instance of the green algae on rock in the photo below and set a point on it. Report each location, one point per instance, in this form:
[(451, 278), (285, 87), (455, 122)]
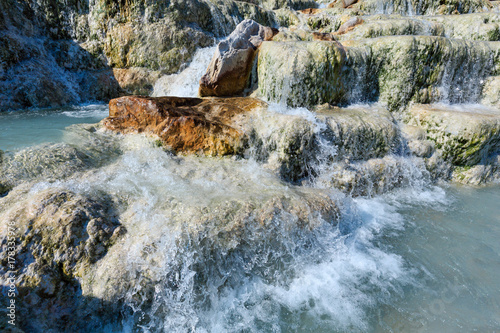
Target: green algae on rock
[(393, 70), (300, 73), (464, 138)]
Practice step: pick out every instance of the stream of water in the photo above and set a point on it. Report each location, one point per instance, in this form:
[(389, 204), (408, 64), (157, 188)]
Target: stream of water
[(422, 258)]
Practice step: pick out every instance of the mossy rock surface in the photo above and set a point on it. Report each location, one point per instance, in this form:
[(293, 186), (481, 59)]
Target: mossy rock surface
[(300, 73), (463, 137), (393, 70)]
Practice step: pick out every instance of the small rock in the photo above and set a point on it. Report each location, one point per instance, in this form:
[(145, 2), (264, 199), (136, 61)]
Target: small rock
[(136, 80), (323, 36), (348, 3), (310, 11)]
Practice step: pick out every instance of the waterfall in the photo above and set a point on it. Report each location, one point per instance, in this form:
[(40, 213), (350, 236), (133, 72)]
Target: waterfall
[(336, 215), (186, 82)]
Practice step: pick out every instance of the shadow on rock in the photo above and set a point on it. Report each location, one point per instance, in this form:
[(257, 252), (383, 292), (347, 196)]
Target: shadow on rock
[(40, 66), (59, 236)]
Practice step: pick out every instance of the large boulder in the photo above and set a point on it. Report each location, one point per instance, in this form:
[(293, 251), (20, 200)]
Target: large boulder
[(186, 125), (230, 68), (301, 73)]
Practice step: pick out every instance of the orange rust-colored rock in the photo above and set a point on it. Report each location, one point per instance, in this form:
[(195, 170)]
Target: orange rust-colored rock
[(210, 126)]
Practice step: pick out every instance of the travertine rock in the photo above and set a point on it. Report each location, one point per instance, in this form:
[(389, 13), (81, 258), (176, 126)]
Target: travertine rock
[(186, 125)]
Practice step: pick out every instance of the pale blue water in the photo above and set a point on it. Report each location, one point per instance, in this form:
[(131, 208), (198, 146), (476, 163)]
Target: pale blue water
[(451, 244), (26, 128)]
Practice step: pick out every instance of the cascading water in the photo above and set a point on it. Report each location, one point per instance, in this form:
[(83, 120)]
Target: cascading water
[(186, 82), (233, 245)]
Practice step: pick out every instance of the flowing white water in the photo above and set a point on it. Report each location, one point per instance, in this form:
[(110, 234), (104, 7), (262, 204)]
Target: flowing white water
[(320, 280), (186, 82), (225, 245), (419, 259)]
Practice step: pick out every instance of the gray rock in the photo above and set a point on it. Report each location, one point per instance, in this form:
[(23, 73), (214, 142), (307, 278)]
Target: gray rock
[(349, 25), (58, 235)]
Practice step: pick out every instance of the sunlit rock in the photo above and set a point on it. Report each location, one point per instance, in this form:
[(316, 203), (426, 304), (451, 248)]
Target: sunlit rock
[(229, 70), (186, 125), (464, 135), (480, 174)]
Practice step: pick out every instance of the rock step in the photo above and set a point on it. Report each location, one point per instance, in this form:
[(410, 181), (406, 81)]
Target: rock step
[(425, 7), (465, 136), (474, 26), (392, 70)]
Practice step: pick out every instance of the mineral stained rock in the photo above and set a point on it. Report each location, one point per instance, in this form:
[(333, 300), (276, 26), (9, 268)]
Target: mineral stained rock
[(186, 125)]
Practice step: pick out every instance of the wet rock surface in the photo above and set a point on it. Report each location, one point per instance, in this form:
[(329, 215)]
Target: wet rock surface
[(186, 125), (58, 235)]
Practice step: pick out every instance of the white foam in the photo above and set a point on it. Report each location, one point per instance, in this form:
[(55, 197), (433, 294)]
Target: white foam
[(88, 111), (186, 82)]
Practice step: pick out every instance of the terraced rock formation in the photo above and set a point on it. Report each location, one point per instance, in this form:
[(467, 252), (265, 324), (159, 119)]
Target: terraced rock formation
[(384, 94)]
